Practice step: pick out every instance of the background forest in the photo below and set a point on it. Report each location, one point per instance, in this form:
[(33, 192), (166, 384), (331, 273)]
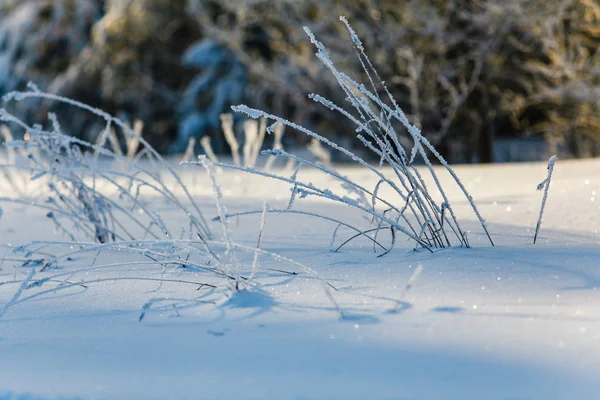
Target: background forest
[(473, 74)]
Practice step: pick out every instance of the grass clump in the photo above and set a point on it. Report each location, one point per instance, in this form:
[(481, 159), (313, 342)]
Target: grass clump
[(384, 130), (107, 202), (95, 190)]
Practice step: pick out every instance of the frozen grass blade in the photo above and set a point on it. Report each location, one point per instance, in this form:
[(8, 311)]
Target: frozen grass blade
[(227, 127), (221, 211), (263, 220), (251, 136), (545, 185)]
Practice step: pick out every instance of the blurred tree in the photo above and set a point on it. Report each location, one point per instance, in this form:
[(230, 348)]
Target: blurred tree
[(132, 64), (465, 71), (548, 72)]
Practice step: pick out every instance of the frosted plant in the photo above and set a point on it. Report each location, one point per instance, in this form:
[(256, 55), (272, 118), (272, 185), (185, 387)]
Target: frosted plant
[(545, 186), (92, 190), (382, 127), (221, 211)]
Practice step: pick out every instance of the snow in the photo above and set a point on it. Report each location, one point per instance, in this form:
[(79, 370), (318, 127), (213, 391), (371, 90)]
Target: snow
[(514, 321)]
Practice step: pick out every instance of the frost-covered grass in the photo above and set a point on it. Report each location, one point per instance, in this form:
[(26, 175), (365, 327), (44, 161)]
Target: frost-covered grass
[(73, 172), (384, 130), (102, 201), (100, 194)]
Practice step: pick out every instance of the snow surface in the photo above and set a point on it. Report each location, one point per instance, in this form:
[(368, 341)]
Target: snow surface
[(514, 321)]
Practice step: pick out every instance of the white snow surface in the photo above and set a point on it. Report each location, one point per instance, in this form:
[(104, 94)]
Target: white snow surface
[(514, 321)]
